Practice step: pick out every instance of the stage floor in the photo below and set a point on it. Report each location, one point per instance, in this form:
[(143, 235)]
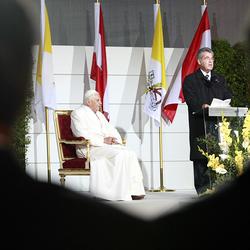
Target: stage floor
[(156, 203)]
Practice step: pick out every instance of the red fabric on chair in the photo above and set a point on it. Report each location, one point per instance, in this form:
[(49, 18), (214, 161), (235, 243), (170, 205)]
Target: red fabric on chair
[(66, 134), (75, 163), (69, 151), (65, 130)]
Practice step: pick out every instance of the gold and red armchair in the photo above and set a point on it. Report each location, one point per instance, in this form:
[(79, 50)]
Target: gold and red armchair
[(70, 164)]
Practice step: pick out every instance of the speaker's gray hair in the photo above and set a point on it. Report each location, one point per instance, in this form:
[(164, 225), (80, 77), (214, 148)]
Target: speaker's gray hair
[(202, 50)]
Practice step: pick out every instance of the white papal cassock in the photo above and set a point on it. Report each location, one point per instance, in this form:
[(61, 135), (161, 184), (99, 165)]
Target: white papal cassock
[(115, 171)]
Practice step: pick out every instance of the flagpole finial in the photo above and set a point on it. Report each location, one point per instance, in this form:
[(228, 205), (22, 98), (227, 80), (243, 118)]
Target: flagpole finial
[(157, 1), (204, 2)]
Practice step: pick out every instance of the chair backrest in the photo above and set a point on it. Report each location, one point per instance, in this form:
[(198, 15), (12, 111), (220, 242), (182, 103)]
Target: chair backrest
[(64, 126), (64, 133)]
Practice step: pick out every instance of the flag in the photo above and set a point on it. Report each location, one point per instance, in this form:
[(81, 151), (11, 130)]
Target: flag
[(99, 61), (202, 38), (45, 92), (156, 79)]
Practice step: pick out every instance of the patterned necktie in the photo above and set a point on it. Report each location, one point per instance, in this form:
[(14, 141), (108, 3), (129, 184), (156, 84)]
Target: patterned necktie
[(207, 77)]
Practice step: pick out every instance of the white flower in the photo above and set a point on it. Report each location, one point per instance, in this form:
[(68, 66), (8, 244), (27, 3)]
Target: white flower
[(236, 132), (245, 144), (220, 170), (223, 156), (223, 147)]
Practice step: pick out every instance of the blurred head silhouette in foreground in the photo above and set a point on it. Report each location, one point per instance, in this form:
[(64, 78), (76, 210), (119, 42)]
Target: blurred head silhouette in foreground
[(36, 214), (16, 40)]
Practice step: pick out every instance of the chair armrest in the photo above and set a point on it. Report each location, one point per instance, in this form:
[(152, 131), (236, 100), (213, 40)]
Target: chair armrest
[(84, 142), (76, 142)]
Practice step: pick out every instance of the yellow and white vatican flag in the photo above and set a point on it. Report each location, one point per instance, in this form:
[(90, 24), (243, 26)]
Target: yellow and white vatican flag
[(156, 79), (45, 92)]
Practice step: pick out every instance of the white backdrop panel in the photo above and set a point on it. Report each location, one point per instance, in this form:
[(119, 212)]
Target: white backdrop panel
[(127, 70)]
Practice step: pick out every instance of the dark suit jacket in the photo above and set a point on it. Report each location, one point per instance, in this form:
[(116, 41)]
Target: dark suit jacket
[(198, 90), (38, 215), (220, 221)]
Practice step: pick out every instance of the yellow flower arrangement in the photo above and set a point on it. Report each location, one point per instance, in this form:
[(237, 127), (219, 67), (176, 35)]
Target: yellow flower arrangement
[(239, 160), (228, 154), (214, 163), (246, 132), (225, 132)]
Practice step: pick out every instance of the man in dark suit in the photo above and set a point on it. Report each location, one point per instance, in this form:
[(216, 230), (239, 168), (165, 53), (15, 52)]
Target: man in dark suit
[(199, 89), (38, 215)]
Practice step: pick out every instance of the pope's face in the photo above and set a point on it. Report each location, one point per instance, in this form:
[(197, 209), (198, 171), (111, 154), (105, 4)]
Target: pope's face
[(206, 61), (95, 103)]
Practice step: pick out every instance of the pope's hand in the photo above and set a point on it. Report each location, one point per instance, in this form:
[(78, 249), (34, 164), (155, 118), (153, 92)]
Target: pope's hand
[(110, 140)]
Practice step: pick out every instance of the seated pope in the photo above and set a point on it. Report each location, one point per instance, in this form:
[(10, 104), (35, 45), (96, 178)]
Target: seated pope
[(115, 170)]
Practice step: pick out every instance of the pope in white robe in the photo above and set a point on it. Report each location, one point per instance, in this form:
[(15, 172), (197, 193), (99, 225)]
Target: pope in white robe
[(115, 171)]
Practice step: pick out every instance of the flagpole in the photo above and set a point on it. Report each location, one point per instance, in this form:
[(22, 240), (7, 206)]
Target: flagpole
[(48, 144), (161, 158), (162, 188), (101, 110)]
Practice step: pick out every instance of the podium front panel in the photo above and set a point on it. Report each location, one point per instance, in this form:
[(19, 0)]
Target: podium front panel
[(227, 111)]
